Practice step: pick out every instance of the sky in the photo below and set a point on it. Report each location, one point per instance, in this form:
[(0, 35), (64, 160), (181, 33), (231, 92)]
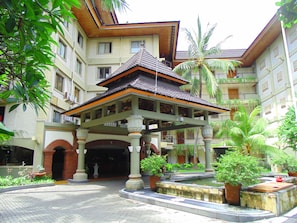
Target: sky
[(242, 19)]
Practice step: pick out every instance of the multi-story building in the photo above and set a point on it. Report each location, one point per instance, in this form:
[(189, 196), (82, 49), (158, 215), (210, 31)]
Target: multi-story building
[(92, 47)]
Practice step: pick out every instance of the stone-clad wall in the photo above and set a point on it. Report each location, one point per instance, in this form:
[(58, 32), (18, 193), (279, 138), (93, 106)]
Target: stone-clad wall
[(277, 202), (198, 192)]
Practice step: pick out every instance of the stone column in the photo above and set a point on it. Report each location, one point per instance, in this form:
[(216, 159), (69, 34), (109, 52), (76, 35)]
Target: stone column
[(135, 181), (80, 175), (207, 137)]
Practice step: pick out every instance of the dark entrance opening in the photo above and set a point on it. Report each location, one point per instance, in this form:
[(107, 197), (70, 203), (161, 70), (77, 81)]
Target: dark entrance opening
[(58, 163), (112, 162)]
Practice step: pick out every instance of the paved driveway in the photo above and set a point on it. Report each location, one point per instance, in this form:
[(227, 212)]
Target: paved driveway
[(79, 203)]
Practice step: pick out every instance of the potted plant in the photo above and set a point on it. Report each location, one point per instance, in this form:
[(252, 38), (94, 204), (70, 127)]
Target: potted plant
[(291, 165), (155, 165), (278, 160), (236, 169)]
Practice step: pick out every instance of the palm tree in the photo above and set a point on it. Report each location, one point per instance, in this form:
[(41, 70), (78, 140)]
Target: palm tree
[(247, 132), (201, 67)]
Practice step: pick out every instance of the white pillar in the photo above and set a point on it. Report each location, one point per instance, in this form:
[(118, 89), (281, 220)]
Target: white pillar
[(207, 137), (135, 123), (80, 175)]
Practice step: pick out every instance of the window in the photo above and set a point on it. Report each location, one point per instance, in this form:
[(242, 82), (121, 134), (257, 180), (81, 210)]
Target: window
[(59, 82), (104, 48), (136, 45), (62, 49), (233, 93), (78, 66), (265, 86), (80, 39), (57, 117), (279, 76), (190, 134), (103, 72), (76, 94)]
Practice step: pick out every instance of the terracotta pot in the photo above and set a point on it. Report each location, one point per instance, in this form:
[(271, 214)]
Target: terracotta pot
[(232, 194), (292, 174), (153, 181)]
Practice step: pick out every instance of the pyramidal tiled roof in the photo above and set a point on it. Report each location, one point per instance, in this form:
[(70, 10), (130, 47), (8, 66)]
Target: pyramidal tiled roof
[(145, 60)]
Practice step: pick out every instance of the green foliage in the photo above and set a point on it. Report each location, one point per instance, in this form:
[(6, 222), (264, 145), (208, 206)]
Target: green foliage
[(287, 12), (199, 68), (154, 164), (109, 5), (278, 157), (26, 29), (25, 178), (287, 131), (236, 168), (246, 132), (291, 164), (283, 159)]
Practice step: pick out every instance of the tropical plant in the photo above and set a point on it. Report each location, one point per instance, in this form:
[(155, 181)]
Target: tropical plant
[(246, 132), (236, 168), (290, 164), (26, 40), (287, 131), (200, 66), (154, 164), (287, 12)]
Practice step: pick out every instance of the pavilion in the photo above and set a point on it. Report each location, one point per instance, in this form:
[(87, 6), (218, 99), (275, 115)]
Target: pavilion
[(143, 96)]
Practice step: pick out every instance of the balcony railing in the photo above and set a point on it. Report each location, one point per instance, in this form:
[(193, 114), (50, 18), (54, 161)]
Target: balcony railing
[(239, 80)]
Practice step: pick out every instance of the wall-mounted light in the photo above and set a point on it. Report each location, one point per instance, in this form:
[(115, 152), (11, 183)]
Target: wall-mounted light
[(138, 148), (34, 139), (130, 148), (77, 151)]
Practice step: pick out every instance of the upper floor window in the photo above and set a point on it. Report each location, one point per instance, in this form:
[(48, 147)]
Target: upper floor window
[(103, 72), (62, 49), (137, 45), (76, 94), (80, 39), (78, 68), (57, 117), (104, 48), (59, 82)]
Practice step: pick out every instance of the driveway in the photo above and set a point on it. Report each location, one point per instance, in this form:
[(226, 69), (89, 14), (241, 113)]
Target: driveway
[(92, 202)]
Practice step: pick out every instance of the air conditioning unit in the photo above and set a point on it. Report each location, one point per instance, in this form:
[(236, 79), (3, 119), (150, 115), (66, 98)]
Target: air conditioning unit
[(69, 98)]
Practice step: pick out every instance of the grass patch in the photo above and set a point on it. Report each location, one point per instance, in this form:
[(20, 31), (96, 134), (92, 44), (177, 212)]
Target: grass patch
[(184, 168), (9, 181)]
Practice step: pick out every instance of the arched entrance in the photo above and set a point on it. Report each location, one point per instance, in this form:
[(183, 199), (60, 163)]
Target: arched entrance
[(58, 163), (111, 156), (54, 153)]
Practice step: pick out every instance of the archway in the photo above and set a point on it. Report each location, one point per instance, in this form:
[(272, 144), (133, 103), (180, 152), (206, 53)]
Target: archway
[(70, 158), (58, 163), (111, 156)]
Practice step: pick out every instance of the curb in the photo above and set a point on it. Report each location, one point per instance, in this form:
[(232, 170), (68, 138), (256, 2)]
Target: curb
[(207, 209)]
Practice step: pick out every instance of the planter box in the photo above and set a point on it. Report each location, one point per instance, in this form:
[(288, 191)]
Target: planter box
[(278, 202), (198, 192)]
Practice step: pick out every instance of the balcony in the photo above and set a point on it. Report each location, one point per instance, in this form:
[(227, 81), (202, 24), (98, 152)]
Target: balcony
[(253, 102), (237, 80)]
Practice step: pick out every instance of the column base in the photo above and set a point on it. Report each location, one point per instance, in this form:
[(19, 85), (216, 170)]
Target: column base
[(80, 177), (208, 170), (135, 182)]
